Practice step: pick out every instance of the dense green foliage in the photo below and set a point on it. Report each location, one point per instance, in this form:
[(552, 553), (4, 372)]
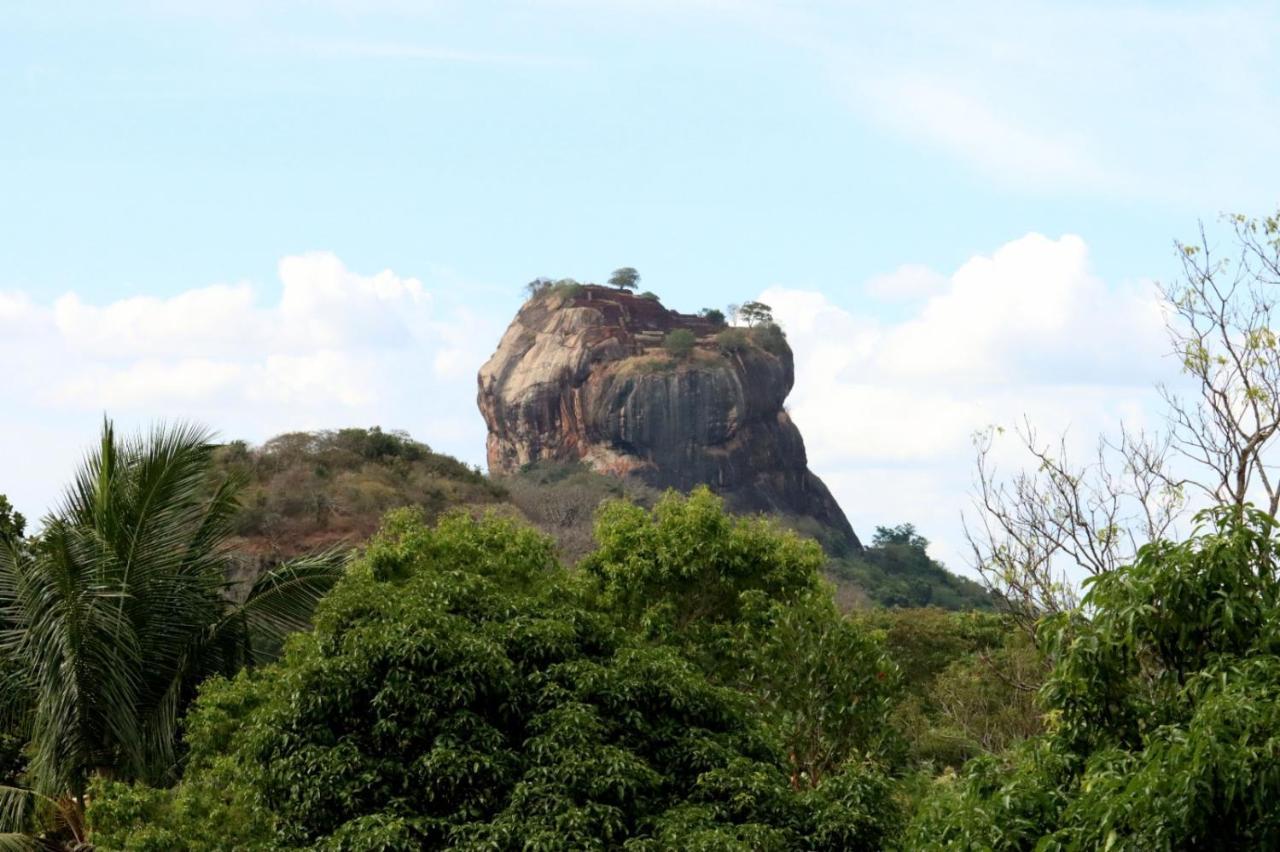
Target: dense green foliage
[(679, 343), (691, 684), (460, 691), (119, 609), (714, 315), (896, 570), (969, 683), (1164, 706), (745, 602), (12, 524)]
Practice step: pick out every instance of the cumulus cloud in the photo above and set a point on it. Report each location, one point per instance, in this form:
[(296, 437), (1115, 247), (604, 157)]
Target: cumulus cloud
[(15, 309), (888, 410), (216, 320), (329, 347)]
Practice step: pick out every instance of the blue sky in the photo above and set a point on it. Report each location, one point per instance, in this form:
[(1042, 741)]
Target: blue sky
[(852, 160)]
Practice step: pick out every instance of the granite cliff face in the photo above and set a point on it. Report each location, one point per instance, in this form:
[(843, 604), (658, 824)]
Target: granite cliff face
[(581, 375)]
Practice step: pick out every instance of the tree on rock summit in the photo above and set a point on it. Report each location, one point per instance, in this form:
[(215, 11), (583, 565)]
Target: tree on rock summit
[(625, 278)]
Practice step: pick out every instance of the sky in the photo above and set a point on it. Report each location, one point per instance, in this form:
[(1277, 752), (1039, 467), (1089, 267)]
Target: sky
[(269, 216)]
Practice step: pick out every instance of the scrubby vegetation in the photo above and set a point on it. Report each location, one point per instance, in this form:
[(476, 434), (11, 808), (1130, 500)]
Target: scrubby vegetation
[(679, 343), (563, 288), (561, 500), (733, 340), (771, 338), (304, 490)]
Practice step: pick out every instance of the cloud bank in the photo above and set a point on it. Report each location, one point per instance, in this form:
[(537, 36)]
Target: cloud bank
[(332, 347), (888, 410)]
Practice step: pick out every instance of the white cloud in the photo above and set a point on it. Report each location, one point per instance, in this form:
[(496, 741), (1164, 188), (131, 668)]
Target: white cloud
[(1024, 312), (208, 321), (325, 305), (148, 382), (322, 305), (15, 309), (304, 380), (329, 347), (888, 409)]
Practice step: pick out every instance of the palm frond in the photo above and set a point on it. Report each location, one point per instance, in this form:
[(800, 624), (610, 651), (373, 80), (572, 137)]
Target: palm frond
[(60, 813), (283, 599), (11, 842), (17, 805), (122, 609)]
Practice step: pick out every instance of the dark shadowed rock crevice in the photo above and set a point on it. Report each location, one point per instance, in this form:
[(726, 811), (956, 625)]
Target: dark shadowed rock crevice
[(582, 376)]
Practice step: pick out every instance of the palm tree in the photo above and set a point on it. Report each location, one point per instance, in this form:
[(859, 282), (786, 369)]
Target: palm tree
[(122, 606)]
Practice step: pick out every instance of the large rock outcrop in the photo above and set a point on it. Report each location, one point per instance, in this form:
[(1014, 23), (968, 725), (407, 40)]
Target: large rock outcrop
[(581, 375)]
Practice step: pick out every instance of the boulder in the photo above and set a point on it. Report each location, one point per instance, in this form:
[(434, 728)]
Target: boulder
[(581, 376)]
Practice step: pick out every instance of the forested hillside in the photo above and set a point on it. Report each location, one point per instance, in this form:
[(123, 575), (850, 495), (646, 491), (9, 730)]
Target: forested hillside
[(311, 490)]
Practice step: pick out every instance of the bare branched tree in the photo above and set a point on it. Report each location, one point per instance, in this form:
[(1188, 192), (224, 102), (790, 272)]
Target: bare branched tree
[(1036, 533), (1037, 530), (1221, 325)]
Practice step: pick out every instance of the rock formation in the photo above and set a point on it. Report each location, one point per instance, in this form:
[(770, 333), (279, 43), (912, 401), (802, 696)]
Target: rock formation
[(582, 375)]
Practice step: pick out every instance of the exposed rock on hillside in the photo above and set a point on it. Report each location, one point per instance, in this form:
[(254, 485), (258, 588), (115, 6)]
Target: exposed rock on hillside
[(581, 375)]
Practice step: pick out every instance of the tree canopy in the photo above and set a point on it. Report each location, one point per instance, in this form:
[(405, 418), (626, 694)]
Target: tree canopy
[(745, 602), (755, 313), (625, 278), (458, 692), (12, 524), (1163, 707)]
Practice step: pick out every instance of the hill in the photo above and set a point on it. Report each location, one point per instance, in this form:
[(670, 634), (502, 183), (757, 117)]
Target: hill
[(307, 491)]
